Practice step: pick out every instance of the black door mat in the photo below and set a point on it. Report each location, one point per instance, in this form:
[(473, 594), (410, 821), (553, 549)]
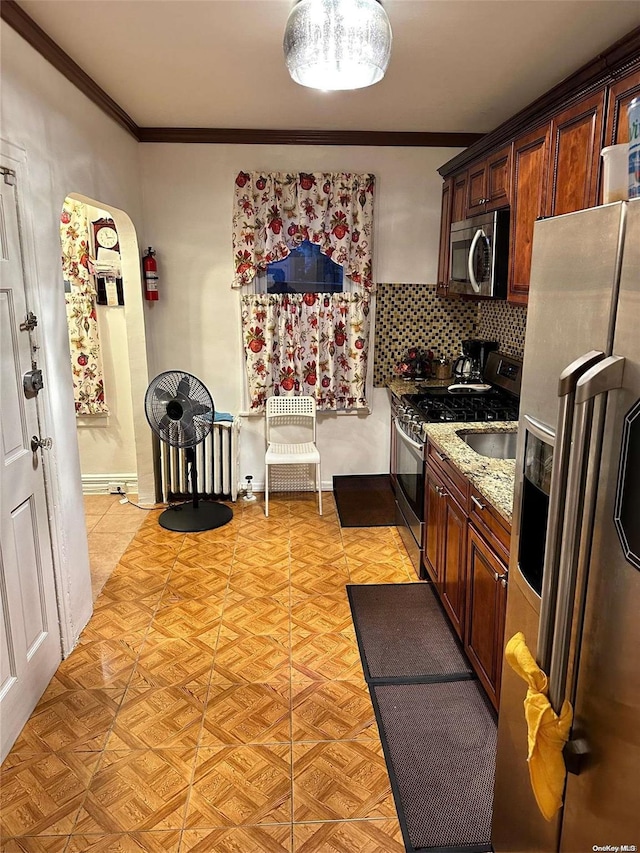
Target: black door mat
[(439, 742), (437, 728), (404, 635), (365, 500)]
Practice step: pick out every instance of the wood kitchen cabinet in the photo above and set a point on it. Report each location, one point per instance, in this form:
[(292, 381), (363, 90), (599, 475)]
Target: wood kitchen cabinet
[(465, 552), (530, 161), (576, 142), (453, 551), (486, 601), (459, 198), (445, 225), (621, 93), (489, 183), (432, 522), (445, 544)]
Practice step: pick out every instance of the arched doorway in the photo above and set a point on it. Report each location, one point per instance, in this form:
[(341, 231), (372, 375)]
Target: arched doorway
[(102, 282)]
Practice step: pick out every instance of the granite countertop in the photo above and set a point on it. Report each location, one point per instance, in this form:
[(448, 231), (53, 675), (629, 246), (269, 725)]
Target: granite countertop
[(493, 478), (411, 386)]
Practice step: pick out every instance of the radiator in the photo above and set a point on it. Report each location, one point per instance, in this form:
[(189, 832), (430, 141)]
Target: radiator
[(216, 460)]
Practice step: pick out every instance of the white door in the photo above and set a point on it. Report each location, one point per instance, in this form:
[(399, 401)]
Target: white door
[(30, 643)]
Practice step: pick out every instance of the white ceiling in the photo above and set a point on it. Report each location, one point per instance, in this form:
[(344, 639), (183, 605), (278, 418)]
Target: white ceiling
[(456, 65)]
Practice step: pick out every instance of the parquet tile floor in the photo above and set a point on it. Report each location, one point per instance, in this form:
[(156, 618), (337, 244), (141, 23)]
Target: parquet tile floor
[(215, 702)]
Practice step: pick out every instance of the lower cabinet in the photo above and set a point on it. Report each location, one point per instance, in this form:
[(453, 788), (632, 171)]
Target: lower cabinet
[(445, 546), (485, 612), (468, 571)]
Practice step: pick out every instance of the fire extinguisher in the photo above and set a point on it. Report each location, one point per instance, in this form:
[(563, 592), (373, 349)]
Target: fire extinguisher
[(150, 271)]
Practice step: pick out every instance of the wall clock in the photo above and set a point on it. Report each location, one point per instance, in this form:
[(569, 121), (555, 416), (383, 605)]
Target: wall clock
[(105, 235)]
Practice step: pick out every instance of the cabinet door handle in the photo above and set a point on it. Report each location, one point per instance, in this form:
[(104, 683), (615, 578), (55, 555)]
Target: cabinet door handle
[(441, 491), (440, 456), (478, 503), (503, 580)]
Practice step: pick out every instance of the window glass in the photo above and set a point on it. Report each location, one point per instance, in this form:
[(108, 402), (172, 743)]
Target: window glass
[(305, 270)]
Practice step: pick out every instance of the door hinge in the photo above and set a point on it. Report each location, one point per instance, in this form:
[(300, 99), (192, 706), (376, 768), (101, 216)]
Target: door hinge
[(9, 176), (31, 321)]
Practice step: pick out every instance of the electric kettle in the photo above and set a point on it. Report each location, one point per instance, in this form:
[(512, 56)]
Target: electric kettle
[(463, 368)]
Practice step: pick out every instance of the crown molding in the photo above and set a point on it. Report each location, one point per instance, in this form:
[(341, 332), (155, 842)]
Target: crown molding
[(24, 25), (242, 136)]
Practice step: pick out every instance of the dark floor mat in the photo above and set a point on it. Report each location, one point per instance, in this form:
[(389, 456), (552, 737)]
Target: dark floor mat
[(404, 635), (365, 500), (439, 742)]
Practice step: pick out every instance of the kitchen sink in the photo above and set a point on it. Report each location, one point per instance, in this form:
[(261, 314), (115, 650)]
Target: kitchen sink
[(497, 445)]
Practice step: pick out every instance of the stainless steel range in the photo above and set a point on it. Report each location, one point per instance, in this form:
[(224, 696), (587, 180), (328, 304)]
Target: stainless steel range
[(496, 399)]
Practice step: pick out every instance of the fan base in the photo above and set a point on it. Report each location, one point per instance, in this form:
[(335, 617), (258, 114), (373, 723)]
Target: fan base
[(186, 518)]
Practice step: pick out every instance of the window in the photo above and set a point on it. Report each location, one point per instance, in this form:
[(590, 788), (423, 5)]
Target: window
[(305, 312), (305, 270)]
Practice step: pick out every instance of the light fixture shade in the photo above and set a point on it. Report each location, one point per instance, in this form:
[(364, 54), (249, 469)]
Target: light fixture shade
[(337, 44)]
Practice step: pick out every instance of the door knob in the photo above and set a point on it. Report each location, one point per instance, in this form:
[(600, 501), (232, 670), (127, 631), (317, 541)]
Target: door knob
[(44, 443)]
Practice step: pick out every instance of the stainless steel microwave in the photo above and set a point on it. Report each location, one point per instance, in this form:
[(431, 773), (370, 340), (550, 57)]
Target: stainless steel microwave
[(479, 255)]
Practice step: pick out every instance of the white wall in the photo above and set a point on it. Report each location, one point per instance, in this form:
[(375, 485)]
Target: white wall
[(70, 146), (188, 194), (107, 444)]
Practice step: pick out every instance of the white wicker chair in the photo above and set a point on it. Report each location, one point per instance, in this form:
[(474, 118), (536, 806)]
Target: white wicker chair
[(291, 438)]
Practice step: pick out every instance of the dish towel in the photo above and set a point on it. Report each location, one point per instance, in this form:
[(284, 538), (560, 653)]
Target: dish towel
[(547, 732)]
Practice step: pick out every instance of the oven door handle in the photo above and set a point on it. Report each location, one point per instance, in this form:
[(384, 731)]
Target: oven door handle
[(405, 438)]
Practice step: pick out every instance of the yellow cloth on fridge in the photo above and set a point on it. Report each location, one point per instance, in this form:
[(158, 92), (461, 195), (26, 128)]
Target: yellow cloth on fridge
[(547, 732)]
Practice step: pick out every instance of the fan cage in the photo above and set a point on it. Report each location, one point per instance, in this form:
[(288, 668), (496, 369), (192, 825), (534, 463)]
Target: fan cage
[(188, 398)]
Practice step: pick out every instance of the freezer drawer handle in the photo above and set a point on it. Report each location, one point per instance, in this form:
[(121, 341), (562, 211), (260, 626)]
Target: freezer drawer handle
[(576, 534), (562, 447)]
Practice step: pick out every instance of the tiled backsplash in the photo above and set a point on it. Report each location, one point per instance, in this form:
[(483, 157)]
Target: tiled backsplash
[(504, 322), (413, 315)]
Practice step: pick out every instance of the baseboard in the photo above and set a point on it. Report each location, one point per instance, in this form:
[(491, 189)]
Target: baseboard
[(101, 484)]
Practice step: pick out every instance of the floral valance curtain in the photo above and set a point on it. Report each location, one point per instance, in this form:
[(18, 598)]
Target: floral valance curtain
[(82, 321), (276, 211), (307, 344)]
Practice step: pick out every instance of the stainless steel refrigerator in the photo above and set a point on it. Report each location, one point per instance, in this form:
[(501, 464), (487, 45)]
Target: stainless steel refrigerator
[(574, 570)]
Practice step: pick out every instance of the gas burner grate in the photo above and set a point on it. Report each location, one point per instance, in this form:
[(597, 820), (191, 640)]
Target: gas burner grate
[(442, 405)]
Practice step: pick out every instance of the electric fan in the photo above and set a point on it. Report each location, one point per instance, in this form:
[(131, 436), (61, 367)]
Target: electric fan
[(180, 411)]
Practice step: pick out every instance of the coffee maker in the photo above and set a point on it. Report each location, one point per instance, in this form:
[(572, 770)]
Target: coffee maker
[(470, 366)]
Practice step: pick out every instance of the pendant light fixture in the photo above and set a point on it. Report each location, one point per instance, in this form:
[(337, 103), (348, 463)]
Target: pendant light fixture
[(337, 44)]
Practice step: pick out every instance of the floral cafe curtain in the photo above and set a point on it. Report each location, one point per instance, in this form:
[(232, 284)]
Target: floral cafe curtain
[(80, 298), (307, 344), (276, 211)]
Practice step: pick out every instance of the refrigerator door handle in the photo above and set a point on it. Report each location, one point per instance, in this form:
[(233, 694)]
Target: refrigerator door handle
[(562, 447), (581, 493)]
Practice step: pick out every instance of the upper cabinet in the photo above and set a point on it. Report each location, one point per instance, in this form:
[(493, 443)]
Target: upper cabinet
[(576, 142), (459, 197), (621, 93), (530, 162), (489, 182), (544, 161), (445, 224)]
